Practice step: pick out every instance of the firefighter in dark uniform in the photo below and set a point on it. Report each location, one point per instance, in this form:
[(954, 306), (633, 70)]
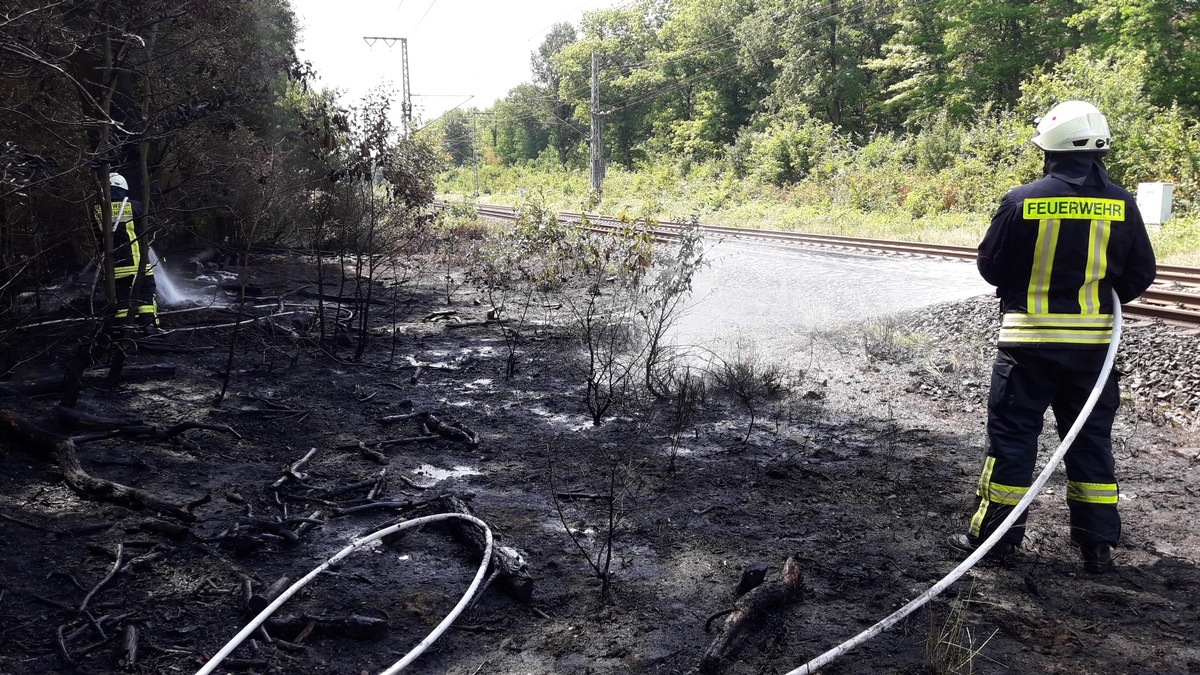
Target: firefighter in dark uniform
[(127, 256), (1055, 250)]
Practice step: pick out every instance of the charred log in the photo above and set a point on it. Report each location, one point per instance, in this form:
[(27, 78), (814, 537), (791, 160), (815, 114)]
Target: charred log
[(507, 562), (63, 451), (751, 608)]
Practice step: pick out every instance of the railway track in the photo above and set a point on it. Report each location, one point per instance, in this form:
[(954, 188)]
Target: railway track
[(1175, 295)]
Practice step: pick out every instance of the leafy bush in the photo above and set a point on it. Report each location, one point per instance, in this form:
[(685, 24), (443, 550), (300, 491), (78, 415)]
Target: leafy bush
[(791, 149)]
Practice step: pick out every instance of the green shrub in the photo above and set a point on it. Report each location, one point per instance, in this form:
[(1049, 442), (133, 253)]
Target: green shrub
[(792, 148)]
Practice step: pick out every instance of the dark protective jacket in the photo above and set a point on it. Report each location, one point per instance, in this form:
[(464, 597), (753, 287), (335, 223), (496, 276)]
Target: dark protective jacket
[(126, 219), (1056, 249)]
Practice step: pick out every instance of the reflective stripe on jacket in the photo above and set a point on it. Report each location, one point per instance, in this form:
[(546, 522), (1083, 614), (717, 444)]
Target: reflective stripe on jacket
[(126, 251), (1055, 252)]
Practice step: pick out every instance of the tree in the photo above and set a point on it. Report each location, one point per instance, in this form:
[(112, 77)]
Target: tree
[(564, 135), (818, 47), (1164, 30), (458, 139), (522, 130)]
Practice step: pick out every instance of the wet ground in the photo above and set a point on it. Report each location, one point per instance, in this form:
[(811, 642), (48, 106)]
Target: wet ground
[(859, 469), (773, 295)]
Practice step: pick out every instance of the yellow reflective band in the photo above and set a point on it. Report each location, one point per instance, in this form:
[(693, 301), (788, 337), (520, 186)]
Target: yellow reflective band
[(1006, 494), (1097, 265), (1074, 208), (133, 244), (985, 479), (1082, 337), (1043, 265), (1092, 493), (1016, 320)]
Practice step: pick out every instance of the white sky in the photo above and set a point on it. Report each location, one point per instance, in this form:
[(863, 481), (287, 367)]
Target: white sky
[(456, 48)]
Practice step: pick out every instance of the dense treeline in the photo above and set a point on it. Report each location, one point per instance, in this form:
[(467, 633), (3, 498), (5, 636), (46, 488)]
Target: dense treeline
[(206, 111), (931, 98)]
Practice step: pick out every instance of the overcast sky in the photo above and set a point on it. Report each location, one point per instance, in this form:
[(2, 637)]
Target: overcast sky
[(456, 48)]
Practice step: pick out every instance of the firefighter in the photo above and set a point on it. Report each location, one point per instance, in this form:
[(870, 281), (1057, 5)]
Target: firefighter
[(1055, 250), (127, 257)]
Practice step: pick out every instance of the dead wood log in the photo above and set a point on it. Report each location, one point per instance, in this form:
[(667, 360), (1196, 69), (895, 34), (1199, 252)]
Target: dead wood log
[(96, 589), (453, 430), (171, 530), (368, 483), (752, 577), (402, 417), (129, 648), (410, 504), (751, 608), (309, 523), (507, 562), (133, 428), (63, 451), (406, 441), (355, 626), (278, 529), (56, 383), (571, 496), (257, 602), (292, 471), (470, 324), (83, 420)]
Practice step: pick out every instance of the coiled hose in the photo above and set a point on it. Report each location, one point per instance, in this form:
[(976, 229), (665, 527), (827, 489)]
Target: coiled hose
[(828, 657), (354, 546)]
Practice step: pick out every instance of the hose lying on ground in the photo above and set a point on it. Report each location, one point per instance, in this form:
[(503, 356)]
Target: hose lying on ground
[(828, 657), (354, 546)]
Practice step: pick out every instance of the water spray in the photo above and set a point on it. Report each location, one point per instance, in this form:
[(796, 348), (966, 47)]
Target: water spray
[(977, 555)]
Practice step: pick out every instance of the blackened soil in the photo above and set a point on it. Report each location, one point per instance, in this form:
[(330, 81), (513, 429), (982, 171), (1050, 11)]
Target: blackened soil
[(860, 472)]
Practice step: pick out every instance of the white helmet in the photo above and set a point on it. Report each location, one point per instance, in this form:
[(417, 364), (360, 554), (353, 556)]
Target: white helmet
[(117, 180), (1073, 126)]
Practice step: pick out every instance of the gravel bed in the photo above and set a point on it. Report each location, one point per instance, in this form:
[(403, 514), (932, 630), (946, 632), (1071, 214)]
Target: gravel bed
[(1160, 361)]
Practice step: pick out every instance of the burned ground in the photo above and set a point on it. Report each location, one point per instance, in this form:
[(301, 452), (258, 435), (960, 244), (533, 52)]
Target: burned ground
[(859, 471)]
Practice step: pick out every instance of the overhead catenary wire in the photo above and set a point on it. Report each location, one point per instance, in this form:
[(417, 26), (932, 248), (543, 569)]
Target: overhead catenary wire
[(895, 617), (427, 10)]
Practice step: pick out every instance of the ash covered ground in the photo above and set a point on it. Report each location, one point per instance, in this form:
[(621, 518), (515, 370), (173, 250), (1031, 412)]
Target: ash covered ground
[(858, 468)]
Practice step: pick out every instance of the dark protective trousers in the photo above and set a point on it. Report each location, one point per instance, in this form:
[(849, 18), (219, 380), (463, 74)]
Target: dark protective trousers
[(145, 309), (1026, 381)]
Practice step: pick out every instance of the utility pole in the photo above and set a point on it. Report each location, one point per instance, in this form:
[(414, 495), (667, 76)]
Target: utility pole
[(596, 141), (406, 90), (475, 115)]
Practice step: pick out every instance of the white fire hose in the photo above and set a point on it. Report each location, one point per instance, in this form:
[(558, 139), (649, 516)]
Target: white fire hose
[(354, 546), (886, 623)]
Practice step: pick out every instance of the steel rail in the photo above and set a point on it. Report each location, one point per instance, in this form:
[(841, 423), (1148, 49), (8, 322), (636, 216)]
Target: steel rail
[(1161, 303)]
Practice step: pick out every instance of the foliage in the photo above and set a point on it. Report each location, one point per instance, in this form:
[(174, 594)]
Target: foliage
[(919, 109), (792, 149)]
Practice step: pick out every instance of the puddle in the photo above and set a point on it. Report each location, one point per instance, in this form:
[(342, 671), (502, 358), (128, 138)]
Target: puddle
[(571, 422), (437, 475)]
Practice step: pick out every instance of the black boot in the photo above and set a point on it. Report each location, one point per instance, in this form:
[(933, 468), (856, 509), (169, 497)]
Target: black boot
[(1097, 558), (1003, 552)]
